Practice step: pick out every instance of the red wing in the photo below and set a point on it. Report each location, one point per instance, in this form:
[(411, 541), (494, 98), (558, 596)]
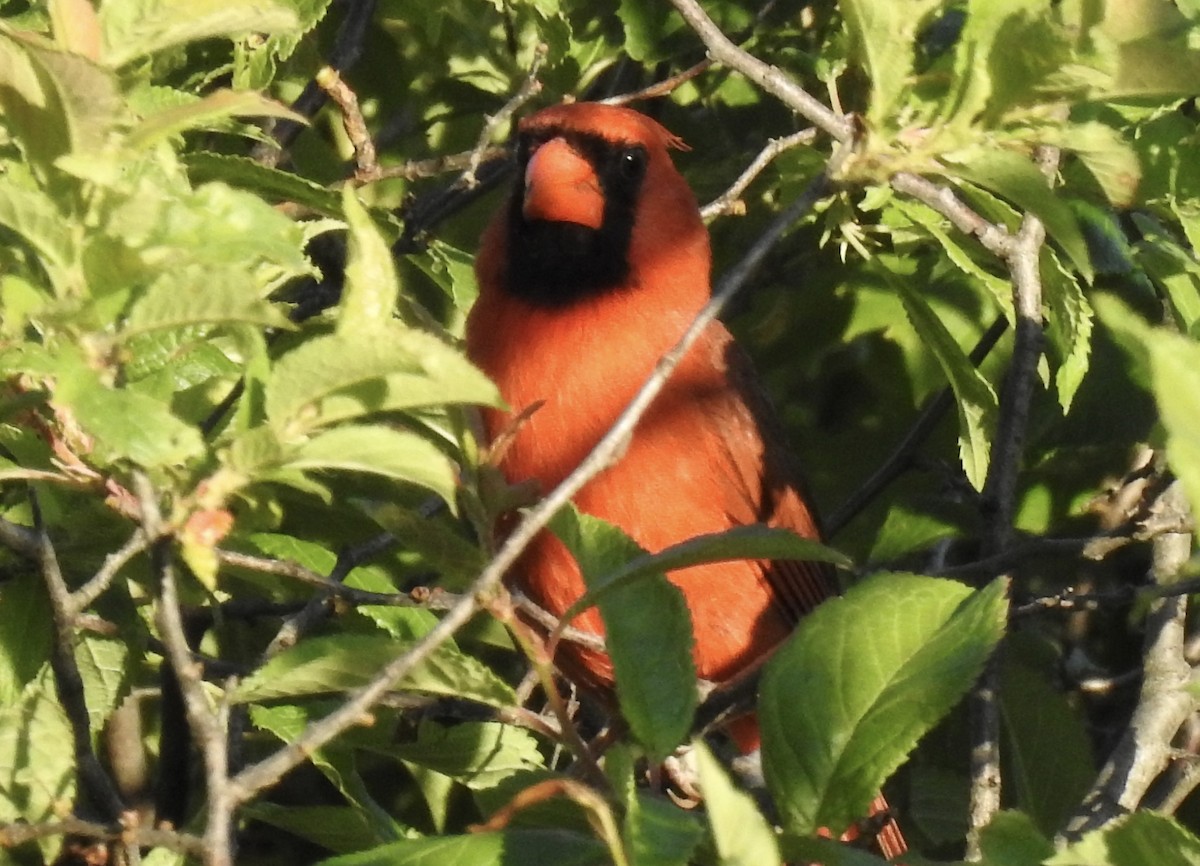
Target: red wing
[(770, 489)]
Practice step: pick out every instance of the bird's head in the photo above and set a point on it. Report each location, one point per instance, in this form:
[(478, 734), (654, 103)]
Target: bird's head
[(597, 201)]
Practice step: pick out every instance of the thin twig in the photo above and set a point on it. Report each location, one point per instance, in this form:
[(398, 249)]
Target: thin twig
[(206, 723), (353, 122), (12, 835), (86, 595), (729, 202), (529, 89), (419, 168), (660, 88), (68, 682), (770, 78), (1000, 495)]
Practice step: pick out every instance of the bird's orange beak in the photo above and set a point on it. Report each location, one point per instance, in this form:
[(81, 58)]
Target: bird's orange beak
[(561, 186)]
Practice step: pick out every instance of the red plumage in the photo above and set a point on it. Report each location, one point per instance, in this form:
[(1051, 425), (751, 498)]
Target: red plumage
[(557, 320)]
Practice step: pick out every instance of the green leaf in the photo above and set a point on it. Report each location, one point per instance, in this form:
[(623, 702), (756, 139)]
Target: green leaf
[(336, 828), (372, 287), (54, 101), (379, 450), (976, 56), (24, 648), (753, 541), (342, 376), (1047, 751), (32, 215), (1110, 159), (195, 296), (878, 668), (341, 663), (742, 835), (1174, 363), (512, 846), (219, 105), (129, 426), (270, 183), (1011, 839), (1016, 178), (1134, 840), (137, 28), (884, 33), (649, 633), (103, 667), (974, 398), (36, 763), (479, 754), (1069, 326), (659, 833), (647, 25)]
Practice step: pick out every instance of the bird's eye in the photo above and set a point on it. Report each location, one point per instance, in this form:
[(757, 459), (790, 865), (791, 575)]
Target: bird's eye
[(631, 162)]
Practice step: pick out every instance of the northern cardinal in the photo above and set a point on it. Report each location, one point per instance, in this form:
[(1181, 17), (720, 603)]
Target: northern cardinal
[(588, 274)]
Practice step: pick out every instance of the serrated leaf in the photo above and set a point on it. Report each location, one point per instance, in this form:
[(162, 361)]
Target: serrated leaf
[(515, 845), (379, 450), (878, 668), (270, 183), (1016, 178), (754, 541), (130, 426), (219, 105), (1069, 327), (884, 35), (1133, 840), (646, 25), (340, 376), (32, 215), (974, 398), (649, 633), (372, 287), (199, 297), (137, 28), (340, 663), (478, 754), (998, 287), (742, 835), (974, 58), (102, 666)]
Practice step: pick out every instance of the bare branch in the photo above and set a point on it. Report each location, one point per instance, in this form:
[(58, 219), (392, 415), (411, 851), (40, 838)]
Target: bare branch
[(1165, 702), (20, 539), (68, 682), (531, 88), (660, 88), (355, 125), (729, 202), (207, 723), (770, 78), (87, 594), (12, 835)]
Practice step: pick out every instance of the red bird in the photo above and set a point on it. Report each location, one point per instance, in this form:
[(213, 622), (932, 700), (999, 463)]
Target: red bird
[(587, 276)]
